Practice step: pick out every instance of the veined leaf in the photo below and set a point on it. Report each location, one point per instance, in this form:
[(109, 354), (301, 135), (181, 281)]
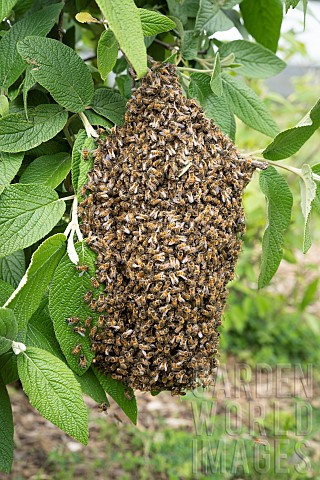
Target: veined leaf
[(9, 167), (37, 278), (6, 437), (109, 104), (247, 106), (290, 141), (48, 170), (8, 329), (67, 290), (124, 20), (154, 22), (18, 134), (117, 390), (216, 80), (85, 165), (27, 213), (291, 3), (256, 61), (189, 44), (12, 268), (54, 392), (211, 19), (40, 332), (279, 206), (316, 201), (60, 70), (107, 53), (5, 291), (5, 8), (215, 107), (263, 20), (308, 190), (39, 23), (4, 105), (76, 157), (90, 386)]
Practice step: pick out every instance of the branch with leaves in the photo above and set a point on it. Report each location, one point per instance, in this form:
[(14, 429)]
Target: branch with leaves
[(53, 107)]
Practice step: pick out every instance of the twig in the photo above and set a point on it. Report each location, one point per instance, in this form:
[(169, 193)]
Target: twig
[(168, 46), (60, 25)]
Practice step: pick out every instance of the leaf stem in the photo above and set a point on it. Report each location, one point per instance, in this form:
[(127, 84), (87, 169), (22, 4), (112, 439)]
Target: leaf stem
[(89, 128), (190, 69), (72, 197)]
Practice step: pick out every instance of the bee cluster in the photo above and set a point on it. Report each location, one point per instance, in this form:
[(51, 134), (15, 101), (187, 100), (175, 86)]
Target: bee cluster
[(163, 211)]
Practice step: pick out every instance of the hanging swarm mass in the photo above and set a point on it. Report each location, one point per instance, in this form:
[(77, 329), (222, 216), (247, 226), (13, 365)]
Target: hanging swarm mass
[(163, 212)]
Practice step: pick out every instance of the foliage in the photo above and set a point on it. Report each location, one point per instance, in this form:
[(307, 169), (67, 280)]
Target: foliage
[(50, 101)]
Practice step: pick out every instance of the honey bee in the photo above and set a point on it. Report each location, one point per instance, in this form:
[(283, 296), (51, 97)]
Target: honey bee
[(88, 322), (103, 407), (128, 394), (87, 297), (81, 268), (80, 330), (93, 304), (77, 349), (83, 361), (95, 282), (73, 321)]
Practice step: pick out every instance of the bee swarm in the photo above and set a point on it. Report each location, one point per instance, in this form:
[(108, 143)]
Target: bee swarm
[(163, 211)]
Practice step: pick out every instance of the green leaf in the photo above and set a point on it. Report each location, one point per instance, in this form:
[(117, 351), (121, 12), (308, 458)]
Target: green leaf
[(247, 106), (66, 300), (39, 23), (310, 294), (256, 61), (109, 104), (316, 201), (211, 19), (263, 21), (189, 44), (8, 329), (98, 120), (154, 22), (5, 8), (60, 70), (279, 206), (116, 390), (12, 268), (10, 164), (290, 141), (215, 107), (4, 105), (107, 53), (54, 392), (124, 20), (5, 291), (18, 134), (40, 332), (8, 367), (43, 263), (76, 157), (28, 83), (6, 437), (291, 3), (85, 165), (48, 170), (308, 189), (216, 79), (90, 386), (27, 213)]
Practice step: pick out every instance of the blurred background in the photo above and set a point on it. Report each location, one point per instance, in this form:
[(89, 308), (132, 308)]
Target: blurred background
[(200, 436)]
